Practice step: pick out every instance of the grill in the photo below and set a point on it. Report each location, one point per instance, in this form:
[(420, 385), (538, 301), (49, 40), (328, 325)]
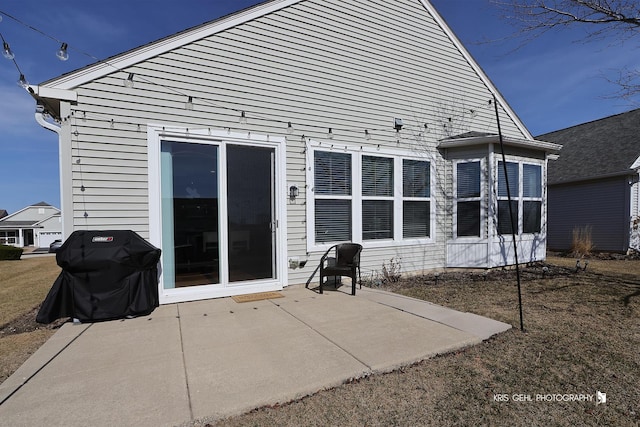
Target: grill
[(105, 275)]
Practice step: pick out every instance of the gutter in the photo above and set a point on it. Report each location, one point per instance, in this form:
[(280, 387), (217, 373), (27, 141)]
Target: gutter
[(40, 113)]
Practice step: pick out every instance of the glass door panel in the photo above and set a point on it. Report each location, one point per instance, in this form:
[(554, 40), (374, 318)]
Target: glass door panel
[(190, 220), (250, 206)]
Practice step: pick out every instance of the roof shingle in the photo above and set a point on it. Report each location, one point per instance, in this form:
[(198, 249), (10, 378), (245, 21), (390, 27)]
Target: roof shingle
[(604, 147)]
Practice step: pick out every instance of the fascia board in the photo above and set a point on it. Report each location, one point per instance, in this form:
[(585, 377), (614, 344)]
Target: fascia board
[(120, 62), (476, 67), (548, 147), (53, 93)]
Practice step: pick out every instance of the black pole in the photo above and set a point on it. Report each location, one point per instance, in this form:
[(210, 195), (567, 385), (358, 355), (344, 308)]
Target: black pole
[(514, 230)]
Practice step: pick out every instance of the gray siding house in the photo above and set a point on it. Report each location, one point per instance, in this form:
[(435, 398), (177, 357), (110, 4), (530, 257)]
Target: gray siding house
[(250, 144), (594, 183), (35, 225)]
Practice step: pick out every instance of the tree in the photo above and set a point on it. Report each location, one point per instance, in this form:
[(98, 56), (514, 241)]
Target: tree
[(599, 18)]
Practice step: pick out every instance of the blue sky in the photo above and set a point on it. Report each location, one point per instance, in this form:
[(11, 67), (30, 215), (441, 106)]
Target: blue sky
[(552, 83)]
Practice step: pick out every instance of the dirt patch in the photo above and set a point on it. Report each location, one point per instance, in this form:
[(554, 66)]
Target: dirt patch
[(27, 323)]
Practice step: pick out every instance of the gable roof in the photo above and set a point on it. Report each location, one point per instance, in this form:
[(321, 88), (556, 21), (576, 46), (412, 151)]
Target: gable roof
[(8, 218), (62, 87), (602, 148)]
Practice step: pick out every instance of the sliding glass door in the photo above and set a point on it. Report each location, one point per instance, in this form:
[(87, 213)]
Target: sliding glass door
[(217, 214)]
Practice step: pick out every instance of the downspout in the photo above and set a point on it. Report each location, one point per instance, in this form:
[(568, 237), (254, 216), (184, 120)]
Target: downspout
[(39, 115)]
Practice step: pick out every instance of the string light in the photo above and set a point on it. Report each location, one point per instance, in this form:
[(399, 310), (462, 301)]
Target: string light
[(189, 104), (330, 134), (22, 81), (6, 51), (62, 53), (289, 128), (367, 134), (243, 118), (128, 82)]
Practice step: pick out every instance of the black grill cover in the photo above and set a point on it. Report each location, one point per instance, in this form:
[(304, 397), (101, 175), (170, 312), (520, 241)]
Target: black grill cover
[(105, 275)]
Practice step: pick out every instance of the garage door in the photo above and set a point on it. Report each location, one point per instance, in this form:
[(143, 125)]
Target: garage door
[(47, 237)]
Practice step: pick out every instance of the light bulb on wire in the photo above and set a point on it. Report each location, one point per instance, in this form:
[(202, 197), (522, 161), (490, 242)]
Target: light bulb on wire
[(6, 51), (62, 53), (128, 82), (22, 81)]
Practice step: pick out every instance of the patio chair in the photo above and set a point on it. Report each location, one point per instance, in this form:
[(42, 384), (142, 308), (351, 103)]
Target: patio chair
[(345, 263)]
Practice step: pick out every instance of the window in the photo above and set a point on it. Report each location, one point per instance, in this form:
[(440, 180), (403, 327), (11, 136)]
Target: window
[(369, 197), (468, 196), (332, 187), (377, 198), (504, 223), (526, 198), (532, 198), (416, 193)]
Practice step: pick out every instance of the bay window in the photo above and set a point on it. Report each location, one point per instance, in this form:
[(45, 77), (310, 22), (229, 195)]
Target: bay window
[(468, 199)]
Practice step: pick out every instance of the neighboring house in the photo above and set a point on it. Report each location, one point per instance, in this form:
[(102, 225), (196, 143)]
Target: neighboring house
[(250, 144), (594, 183), (36, 225)]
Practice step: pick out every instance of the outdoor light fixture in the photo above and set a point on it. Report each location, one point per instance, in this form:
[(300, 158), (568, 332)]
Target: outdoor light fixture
[(397, 124), (62, 53), (293, 192), (23, 82), (243, 118), (128, 82), (330, 134), (6, 51), (189, 104)]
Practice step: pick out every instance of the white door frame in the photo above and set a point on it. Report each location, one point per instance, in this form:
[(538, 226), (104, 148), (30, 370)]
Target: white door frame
[(158, 133)]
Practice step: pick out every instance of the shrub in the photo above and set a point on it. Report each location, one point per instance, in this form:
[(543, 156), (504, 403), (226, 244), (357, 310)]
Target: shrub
[(581, 243), (9, 253), (391, 272)]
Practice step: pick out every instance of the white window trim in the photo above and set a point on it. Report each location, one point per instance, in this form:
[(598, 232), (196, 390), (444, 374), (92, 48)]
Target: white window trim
[(356, 197), (156, 134), (481, 199), (521, 198)]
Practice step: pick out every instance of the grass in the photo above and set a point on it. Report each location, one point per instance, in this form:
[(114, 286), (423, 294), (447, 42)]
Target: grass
[(23, 286), (582, 335)]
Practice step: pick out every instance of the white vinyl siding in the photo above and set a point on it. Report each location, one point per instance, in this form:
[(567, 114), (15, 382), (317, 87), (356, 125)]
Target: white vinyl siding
[(348, 65)]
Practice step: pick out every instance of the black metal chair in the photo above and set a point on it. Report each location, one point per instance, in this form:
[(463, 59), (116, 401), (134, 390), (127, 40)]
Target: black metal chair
[(345, 263)]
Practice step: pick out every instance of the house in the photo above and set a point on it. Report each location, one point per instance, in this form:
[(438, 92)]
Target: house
[(36, 225), (246, 147), (594, 183)]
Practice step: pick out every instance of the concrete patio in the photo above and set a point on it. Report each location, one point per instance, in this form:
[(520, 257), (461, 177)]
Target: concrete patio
[(217, 358)]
